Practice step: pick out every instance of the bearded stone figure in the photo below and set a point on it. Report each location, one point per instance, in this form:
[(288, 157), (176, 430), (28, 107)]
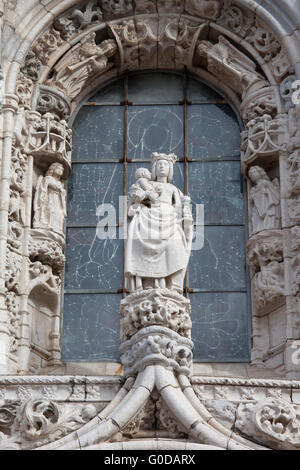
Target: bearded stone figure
[(50, 200), (264, 200), (161, 228)]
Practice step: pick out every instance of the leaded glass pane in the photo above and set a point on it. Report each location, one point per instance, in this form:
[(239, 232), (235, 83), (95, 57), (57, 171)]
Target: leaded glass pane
[(220, 327), (220, 264), (113, 93), (91, 185), (93, 262), (98, 133), (209, 153), (155, 129), (155, 88), (198, 91), (91, 327), (213, 132), (218, 186)]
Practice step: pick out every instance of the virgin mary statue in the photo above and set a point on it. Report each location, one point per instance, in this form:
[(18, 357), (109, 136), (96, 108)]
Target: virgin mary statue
[(160, 232)]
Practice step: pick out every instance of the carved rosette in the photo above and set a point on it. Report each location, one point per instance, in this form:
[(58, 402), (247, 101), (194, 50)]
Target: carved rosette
[(272, 421)]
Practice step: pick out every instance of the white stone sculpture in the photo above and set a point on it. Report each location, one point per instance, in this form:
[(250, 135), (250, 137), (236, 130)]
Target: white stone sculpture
[(85, 60), (264, 200), (50, 200), (160, 232), (223, 59)]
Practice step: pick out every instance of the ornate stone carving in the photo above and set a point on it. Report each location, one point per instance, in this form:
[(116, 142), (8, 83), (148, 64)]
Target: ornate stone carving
[(83, 62), (259, 103), (49, 141), (156, 345), (14, 234), (293, 131), (264, 247), (272, 421), (46, 44), (188, 35), (32, 66), (13, 270), (155, 307), (286, 91), (78, 20), (236, 19), (293, 190), (269, 284), (24, 90), (265, 256), (42, 275), (126, 38), (264, 42), (144, 421), (280, 65), (19, 167), (51, 100), (166, 421), (146, 32), (12, 304), (48, 249), (208, 9), (264, 200), (265, 137), (117, 8), (223, 59), (16, 208), (38, 421)]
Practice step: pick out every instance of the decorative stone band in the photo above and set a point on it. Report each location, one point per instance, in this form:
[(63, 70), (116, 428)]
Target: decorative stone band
[(157, 345), (155, 307)]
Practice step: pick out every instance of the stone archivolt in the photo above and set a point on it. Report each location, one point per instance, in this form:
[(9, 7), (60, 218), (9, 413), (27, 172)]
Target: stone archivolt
[(64, 62)]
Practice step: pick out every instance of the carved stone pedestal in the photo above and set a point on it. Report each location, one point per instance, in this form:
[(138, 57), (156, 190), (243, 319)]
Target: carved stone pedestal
[(156, 329)]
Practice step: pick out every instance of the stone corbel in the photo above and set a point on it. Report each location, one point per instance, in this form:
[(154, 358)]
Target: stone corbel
[(264, 139), (51, 100), (49, 141), (48, 248), (265, 257)]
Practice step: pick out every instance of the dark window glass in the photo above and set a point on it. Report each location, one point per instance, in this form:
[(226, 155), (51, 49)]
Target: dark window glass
[(115, 132)]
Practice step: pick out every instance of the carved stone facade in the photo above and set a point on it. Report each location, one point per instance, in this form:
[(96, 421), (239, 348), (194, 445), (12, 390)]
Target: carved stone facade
[(51, 61)]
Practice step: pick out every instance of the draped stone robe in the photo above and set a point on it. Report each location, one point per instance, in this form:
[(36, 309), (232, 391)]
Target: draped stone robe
[(156, 244)]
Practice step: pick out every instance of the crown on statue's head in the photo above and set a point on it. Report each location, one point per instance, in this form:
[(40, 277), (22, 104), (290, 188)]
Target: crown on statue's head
[(171, 157)]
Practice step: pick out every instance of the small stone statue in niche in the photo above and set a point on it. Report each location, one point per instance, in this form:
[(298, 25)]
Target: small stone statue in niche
[(50, 200), (264, 200), (160, 232)]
